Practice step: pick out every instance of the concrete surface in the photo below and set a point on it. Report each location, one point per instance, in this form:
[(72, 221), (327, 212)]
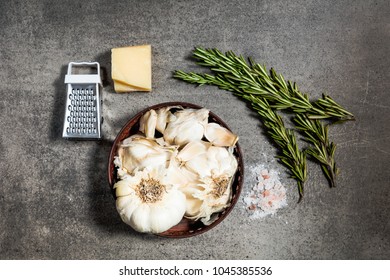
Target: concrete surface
[(55, 202)]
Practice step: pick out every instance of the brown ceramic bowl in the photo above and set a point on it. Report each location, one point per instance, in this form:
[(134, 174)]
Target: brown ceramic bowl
[(186, 228)]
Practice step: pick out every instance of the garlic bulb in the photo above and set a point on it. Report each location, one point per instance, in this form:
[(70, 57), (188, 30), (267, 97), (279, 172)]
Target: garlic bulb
[(148, 202), (188, 125), (215, 168), (208, 199)]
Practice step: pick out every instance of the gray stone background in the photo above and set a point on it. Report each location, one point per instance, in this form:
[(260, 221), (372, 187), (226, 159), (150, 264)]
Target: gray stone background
[(55, 202)]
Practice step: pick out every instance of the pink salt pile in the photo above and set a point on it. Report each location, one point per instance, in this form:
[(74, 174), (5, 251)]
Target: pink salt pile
[(267, 196)]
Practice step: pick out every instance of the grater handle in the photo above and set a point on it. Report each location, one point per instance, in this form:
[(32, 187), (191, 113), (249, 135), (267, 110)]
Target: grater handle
[(79, 79)]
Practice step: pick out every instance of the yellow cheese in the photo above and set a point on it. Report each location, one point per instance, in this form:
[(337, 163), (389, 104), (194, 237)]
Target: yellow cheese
[(131, 68), (121, 87)]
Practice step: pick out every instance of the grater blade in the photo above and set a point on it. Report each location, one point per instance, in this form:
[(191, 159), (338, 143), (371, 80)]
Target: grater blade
[(83, 103)]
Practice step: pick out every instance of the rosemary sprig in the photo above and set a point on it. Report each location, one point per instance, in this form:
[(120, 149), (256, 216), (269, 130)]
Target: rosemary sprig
[(291, 156), (255, 79), (322, 150), (315, 133), (253, 83)]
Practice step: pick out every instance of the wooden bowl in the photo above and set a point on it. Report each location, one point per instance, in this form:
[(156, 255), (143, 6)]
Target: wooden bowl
[(186, 228)]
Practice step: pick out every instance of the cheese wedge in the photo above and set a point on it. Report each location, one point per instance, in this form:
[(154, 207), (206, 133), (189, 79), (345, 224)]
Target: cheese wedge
[(131, 68)]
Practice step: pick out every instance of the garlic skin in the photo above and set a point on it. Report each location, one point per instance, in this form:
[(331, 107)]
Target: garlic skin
[(187, 126), (148, 202), (220, 136), (138, 152)]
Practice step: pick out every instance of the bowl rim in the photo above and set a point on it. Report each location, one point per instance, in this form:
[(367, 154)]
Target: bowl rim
[(238, 177)]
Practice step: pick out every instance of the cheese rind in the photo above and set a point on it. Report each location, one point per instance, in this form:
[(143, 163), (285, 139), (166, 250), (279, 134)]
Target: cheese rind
[(121, 87), (131, 68)]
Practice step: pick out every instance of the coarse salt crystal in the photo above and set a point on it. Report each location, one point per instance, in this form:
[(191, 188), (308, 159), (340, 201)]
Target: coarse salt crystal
[(267, 196)]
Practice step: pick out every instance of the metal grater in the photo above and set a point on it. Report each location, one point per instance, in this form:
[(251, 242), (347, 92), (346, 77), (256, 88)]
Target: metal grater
[(83, 103)]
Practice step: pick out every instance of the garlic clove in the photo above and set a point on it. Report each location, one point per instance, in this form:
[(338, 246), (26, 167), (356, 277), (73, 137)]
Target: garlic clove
[(193, 149), (140, 218), (163, 218), (131, 139), (199, 165), (193, 207), (143, 158), (122, 188), (123, 202), (162, 142), (188, 133), (177, 176), (188, 126), (222, 161), (219, 135), (170, 117), (125, 206), (121, 171), (185, 115), (193, 204), (216, 161), (140, 152), (164, 116), (148, 122)]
